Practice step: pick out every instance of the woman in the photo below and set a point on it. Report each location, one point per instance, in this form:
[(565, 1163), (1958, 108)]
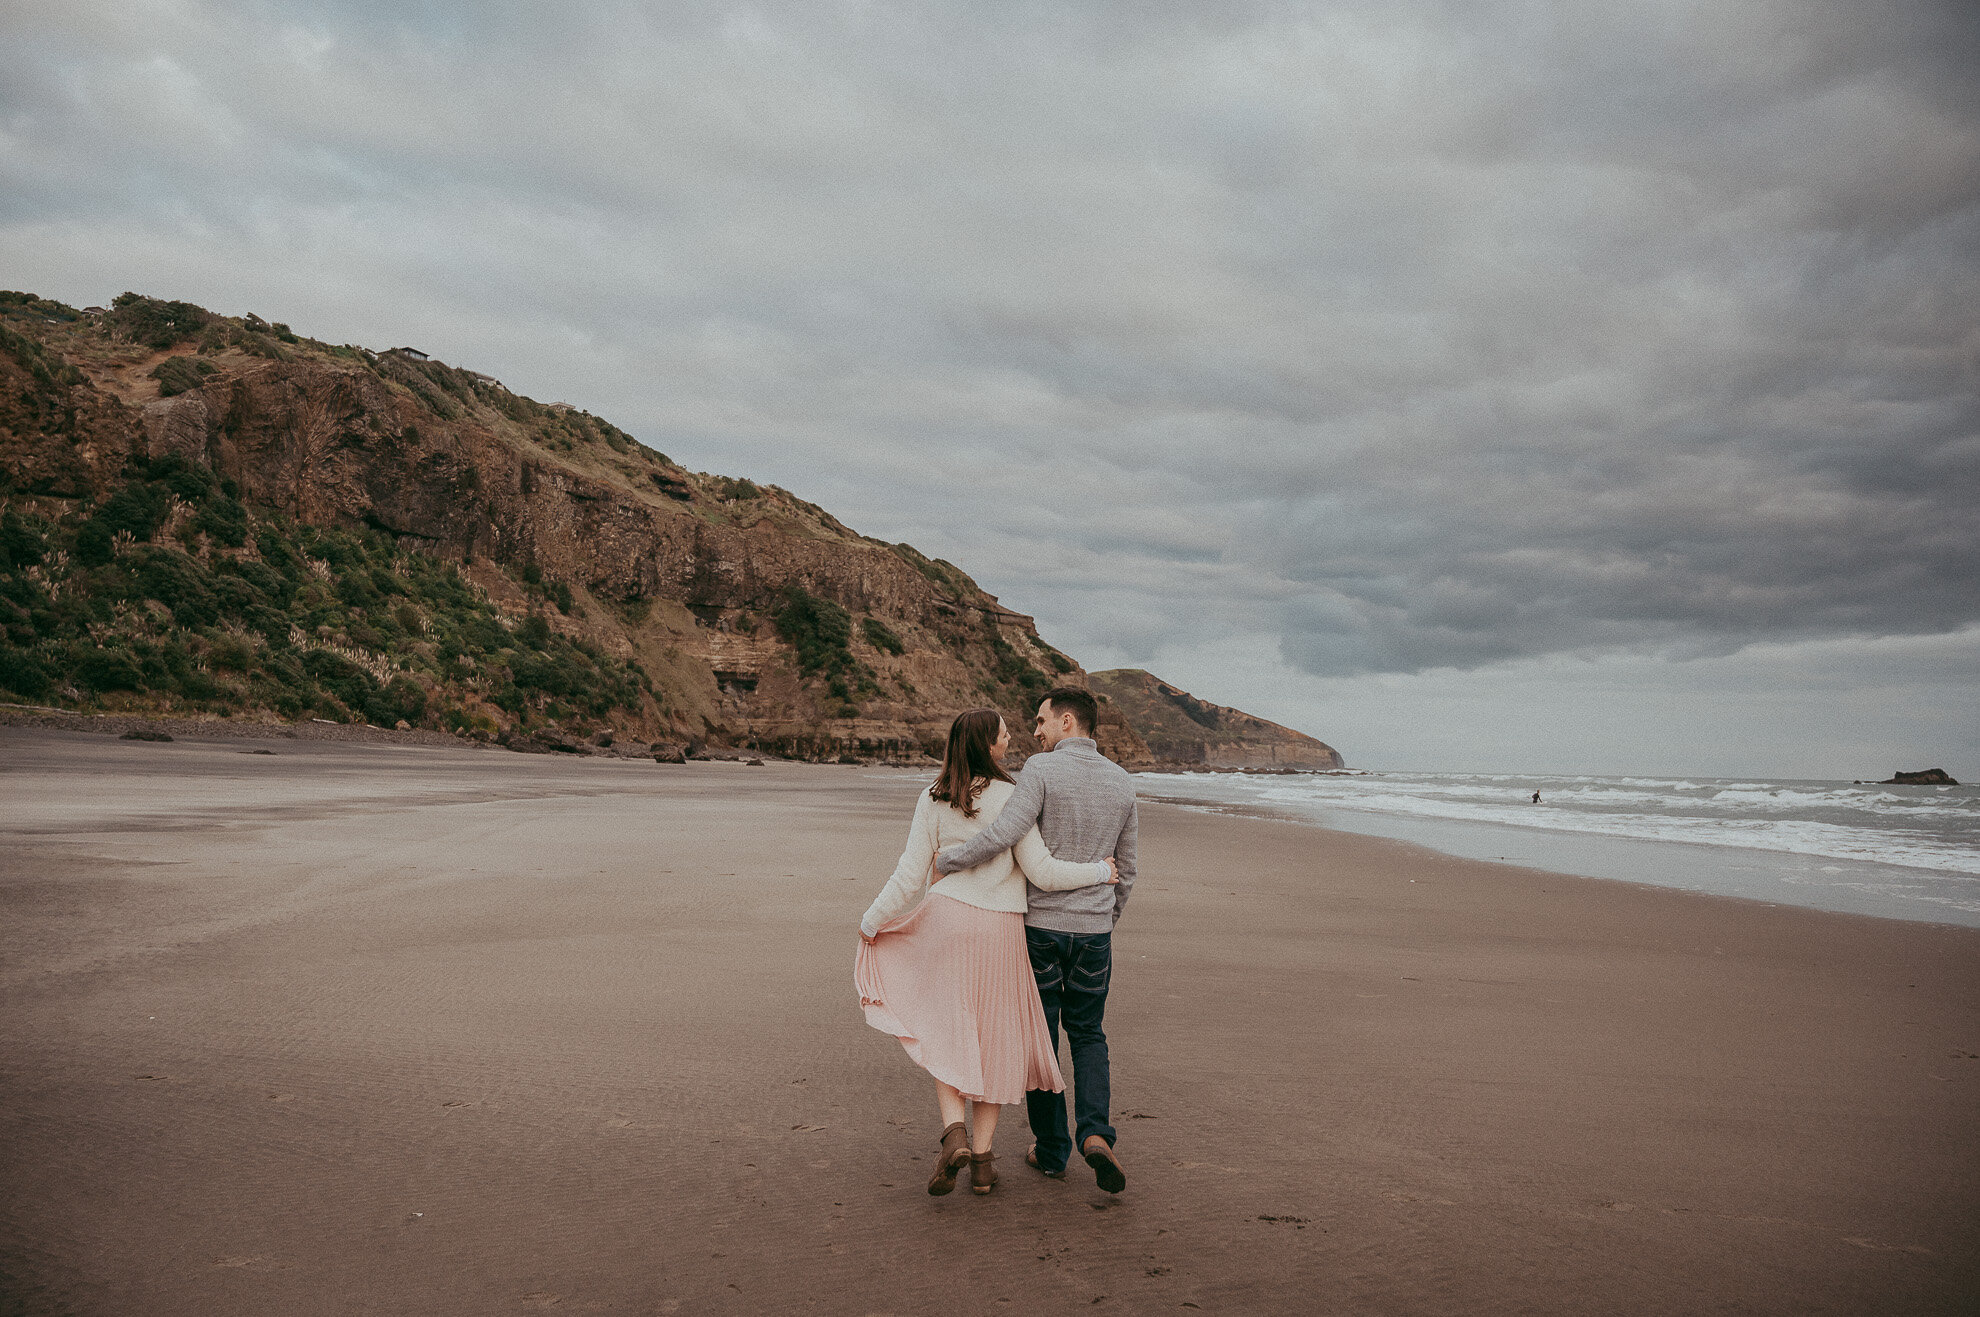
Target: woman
[(949, 975)]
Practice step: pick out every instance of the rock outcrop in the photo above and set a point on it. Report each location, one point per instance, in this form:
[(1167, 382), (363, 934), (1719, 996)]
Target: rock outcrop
[(1183, 731), (1924, 777)]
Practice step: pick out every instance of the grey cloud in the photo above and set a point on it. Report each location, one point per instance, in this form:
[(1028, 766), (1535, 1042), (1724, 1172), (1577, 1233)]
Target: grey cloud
[(1409, 335)]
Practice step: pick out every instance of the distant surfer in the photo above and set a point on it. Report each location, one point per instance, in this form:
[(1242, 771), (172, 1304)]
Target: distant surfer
[(1536, 797)]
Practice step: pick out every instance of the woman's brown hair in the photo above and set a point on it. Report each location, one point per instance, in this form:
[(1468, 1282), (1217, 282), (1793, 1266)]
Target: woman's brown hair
[(969, 766)]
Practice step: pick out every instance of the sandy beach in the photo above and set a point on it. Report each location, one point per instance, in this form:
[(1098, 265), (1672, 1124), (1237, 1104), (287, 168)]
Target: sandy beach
[(395, 1029)]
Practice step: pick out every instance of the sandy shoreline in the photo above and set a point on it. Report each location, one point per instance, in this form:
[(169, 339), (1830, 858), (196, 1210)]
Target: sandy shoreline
[(434, 1030)]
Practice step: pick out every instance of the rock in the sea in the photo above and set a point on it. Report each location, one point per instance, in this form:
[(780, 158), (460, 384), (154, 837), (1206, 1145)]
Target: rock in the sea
[(1924, 777), (669, 754)]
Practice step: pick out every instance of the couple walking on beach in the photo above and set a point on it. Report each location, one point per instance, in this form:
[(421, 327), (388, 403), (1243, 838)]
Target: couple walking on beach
[(996, 928)]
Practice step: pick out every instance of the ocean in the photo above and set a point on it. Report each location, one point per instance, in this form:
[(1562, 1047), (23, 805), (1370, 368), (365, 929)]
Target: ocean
[(1899, 852)]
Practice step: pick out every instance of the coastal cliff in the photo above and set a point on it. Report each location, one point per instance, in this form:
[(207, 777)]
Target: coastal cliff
[(1183, 731), (209, 515)]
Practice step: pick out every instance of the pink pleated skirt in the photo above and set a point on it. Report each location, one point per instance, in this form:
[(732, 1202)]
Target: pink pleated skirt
[(954, 984)]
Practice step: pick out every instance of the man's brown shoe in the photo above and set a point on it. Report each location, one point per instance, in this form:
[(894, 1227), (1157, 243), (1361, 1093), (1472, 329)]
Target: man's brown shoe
[(1107, 1172), (954, 1156), (982, 1172), (1031, 1160)]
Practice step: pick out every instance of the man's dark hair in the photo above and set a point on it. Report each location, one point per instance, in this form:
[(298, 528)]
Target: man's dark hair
[(1080, 704)]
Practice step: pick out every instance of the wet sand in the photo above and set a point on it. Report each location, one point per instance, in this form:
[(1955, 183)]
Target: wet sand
[(347, 1029)]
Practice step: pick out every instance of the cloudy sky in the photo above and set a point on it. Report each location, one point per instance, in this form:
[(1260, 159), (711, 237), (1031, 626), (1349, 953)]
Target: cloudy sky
[(1471, 385)]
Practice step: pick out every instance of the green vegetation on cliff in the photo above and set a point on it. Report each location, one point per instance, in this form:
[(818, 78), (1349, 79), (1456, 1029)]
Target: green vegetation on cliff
[(882, 637), (170, 594), (821, 633)]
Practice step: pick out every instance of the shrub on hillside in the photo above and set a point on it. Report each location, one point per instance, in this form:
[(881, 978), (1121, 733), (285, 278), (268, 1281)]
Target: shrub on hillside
[(100, 668), (154, 323), (175, 375), (48, 371), (402, 700), (137, 508), (23, 540), (1010, 671), (225, 519), (878, 636), (350, 684), (227, 630), (23, 674), (42, 308), (177, 581), (818, 629)]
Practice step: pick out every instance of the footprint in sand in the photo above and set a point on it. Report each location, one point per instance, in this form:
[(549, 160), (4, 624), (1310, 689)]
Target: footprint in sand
[(545, 1300), (1874, 1246)]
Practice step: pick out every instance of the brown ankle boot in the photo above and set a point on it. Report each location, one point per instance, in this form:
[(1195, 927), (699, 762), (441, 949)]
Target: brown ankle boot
[(1107, 1172), (954, 1156), (982, 1172)]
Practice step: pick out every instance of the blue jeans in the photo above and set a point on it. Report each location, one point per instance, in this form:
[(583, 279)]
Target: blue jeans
[(1072, 970)]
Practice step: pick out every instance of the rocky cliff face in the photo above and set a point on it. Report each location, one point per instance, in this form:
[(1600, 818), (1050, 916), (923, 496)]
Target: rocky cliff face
[(211, 514), (758, 619), (1181, 730)]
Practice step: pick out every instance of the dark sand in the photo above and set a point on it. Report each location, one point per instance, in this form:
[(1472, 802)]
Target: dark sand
[(401, 1030)]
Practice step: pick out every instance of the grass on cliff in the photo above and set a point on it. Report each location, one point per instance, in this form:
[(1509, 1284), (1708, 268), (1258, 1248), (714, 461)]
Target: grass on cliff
[(881, 637), (175, 375), (170, 594), (48, 371), (1011, 676), (821, 633)]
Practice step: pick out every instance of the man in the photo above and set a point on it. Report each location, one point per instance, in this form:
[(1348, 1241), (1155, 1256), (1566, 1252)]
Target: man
[(1083, 804)]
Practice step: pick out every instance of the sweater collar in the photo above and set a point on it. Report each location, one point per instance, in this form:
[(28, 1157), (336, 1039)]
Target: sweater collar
[(1077, 743)]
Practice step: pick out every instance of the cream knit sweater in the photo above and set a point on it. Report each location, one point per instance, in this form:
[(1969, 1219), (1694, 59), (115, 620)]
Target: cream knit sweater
[(995, 884)]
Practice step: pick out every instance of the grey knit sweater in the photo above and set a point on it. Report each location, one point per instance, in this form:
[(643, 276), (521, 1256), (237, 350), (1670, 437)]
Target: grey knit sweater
[(1083, 804)]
